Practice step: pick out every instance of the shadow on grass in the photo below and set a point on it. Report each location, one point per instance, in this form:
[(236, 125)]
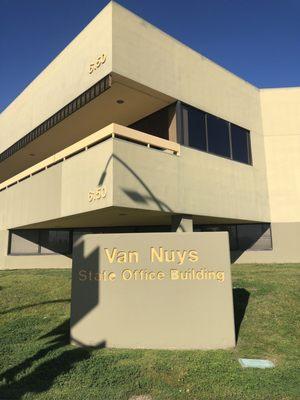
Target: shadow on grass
[(240, 302), (56, 357), (48, 366), (33, 305)]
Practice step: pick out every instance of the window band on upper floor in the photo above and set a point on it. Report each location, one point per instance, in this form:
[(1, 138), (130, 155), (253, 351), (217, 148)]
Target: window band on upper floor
[(80, 101), (199, 130), (211, 134)]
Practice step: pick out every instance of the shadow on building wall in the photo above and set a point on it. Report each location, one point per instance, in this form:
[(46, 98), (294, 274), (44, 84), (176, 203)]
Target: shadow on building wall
[(134, 195)]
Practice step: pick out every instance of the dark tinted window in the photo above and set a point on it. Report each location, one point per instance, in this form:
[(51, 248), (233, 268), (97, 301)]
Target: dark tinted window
[(254, 237), (244, 236), (196, 129), (218, 136), (209, 133), (40, 241), (52, 241), (158, 123), (240, 144), (231, 229)]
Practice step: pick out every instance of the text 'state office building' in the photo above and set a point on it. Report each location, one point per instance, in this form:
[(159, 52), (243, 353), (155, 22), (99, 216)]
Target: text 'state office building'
[(129, 130)]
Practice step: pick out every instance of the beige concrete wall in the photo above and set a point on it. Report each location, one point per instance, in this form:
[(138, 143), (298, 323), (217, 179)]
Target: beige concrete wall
[(32, 200), (62, 190), (151, 57), (281, 127), (4, 238), (194, 183), (64, 79), (281, 124), (157, 313), (84, 173), (36, 261)]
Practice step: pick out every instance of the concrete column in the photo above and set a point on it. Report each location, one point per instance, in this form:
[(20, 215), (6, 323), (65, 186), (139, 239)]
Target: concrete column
[(4, 235), (182, 223)]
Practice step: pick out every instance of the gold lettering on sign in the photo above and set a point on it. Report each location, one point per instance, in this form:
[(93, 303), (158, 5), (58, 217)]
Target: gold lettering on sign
[(121, 256), (99, 193), (85, 275), (146, 274), (172, 256), (97, 64)]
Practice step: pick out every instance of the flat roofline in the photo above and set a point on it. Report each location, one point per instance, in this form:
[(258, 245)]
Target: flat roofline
[(185, 45), (281, 88), (116, 4)]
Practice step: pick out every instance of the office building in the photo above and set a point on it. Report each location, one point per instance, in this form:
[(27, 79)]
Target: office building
[(129, 130)]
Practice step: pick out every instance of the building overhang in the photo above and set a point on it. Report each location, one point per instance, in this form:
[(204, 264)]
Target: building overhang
[(92, 182), (113, 98)]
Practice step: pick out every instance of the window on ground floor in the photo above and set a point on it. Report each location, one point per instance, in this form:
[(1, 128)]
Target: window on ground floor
[(40, 241), (253, 237), (24, 242)]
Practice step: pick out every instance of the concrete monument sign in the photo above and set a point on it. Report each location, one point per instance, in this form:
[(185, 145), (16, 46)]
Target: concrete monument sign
[(152, 290)]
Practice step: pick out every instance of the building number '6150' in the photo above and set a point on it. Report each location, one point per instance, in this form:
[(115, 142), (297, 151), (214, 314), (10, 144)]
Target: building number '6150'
[(99, 193)]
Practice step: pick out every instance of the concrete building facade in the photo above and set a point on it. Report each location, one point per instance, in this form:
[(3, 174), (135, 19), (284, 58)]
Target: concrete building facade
[(129, 130)]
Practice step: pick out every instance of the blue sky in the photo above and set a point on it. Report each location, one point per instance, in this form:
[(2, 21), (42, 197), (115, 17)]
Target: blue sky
[(258, 40)]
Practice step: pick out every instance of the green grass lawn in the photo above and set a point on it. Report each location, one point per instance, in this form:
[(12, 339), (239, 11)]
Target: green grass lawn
[(37, 362)]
